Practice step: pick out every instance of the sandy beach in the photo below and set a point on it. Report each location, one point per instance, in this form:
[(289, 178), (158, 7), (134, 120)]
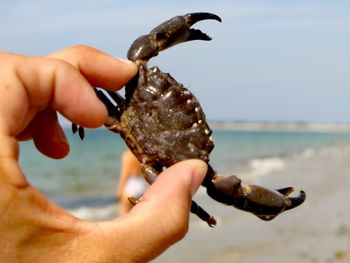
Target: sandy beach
[(317, 162), (318, 231)]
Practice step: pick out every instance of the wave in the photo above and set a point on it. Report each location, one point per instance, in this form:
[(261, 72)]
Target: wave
[(101, 213), (308, 152), (256, 168), (264, 166)]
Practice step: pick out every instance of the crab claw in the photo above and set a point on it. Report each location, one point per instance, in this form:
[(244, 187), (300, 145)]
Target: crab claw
[(173, 31), (262, 202)]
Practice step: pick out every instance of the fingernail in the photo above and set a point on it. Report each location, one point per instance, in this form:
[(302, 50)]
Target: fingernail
[(131, 66), (127, 62), (199, 172)]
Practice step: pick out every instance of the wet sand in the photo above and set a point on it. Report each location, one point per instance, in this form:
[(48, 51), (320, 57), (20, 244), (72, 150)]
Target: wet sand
[(318, 231)]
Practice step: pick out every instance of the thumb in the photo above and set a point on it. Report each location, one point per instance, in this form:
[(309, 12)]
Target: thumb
[(162, 217)]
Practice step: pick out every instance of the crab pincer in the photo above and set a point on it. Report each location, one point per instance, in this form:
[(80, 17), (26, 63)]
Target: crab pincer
[(171, 32), (263, 202)]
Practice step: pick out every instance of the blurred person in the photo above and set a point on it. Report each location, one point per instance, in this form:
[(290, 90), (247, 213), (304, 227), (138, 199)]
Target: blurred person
[(131, 182)]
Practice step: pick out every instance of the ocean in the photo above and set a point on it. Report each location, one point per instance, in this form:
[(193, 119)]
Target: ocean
[(85, 181)]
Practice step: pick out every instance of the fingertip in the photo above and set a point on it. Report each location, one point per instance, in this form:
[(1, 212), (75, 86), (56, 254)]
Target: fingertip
[(130, 66), (199, 170), (48, 135), (118, 74), (98, 67), (178, 182), (74, 96), (193, 169)]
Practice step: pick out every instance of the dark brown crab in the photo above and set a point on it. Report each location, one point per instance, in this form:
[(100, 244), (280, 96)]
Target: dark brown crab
[(163, 123)]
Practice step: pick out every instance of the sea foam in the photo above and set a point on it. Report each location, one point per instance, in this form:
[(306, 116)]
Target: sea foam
[(264, 166)]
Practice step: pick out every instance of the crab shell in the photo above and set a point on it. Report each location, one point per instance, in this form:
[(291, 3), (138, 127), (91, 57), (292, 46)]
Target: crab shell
[(164, 122)]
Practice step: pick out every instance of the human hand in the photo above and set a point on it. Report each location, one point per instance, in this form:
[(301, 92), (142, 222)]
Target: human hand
[(33, 229)]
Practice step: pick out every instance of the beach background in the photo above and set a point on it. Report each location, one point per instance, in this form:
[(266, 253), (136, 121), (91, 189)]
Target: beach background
[(315, 158), (276, 65)]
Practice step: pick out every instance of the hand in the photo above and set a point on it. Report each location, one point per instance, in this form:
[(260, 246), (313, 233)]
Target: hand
[(33, 229)]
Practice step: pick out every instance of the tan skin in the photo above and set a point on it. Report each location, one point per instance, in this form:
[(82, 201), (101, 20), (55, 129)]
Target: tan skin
[(129, 166), (33, 229)]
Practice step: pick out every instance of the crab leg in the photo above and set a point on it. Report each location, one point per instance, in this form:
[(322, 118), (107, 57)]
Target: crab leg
[(202, 214), (79, 129), (113, 110), (262, 202)]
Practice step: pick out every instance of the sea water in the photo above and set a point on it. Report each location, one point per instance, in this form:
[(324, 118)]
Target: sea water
[(85, 181)]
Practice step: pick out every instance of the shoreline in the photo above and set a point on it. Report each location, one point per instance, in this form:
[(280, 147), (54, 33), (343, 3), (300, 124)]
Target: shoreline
[(279, 126)]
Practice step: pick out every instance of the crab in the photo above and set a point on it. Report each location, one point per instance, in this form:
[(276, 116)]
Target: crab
[(163, 123)]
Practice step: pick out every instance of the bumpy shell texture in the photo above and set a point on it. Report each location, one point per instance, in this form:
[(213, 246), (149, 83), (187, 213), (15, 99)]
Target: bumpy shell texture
[(166, 120)]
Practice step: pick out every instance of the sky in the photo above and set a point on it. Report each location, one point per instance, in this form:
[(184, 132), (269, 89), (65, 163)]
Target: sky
[(284, 61)]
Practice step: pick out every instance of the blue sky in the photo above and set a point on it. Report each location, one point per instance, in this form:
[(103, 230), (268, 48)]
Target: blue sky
[(268, 60)]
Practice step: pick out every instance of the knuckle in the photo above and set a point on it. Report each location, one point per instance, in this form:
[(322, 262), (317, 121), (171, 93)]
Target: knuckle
[(79, 48), (73, 54)]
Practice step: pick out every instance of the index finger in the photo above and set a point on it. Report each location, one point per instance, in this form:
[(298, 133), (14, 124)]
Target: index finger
[(29, 85), (99, 68)]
